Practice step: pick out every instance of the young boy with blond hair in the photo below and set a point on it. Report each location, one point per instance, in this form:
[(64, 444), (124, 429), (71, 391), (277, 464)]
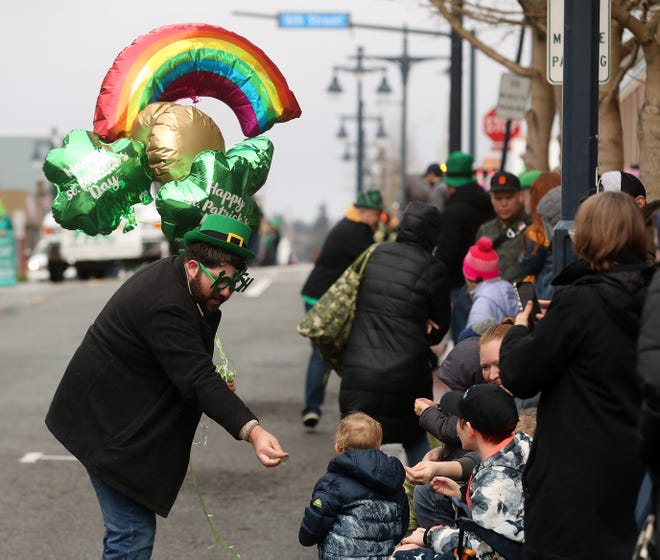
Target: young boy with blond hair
[(359, 508)]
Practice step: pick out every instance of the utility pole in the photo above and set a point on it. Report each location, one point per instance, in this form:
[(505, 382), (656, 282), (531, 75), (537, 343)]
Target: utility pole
[(456, 92), (580, 119), (507, 127)]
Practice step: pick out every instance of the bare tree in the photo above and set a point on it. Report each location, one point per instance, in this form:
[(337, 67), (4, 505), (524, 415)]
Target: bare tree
[(641, 18)]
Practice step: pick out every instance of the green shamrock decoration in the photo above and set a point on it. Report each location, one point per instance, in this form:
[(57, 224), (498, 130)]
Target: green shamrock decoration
[(218, 184), (97, 183)]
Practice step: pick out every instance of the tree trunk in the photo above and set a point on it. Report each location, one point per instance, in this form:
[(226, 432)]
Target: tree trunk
[(649, 118), (610, 129), (541, 113)]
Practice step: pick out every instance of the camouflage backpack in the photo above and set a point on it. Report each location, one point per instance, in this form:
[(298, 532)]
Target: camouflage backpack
[(329, 322)]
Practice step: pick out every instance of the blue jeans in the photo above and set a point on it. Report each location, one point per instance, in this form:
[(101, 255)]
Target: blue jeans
[(130, 528), (460, 308), (432, 509), (416, 448), (315, 380)]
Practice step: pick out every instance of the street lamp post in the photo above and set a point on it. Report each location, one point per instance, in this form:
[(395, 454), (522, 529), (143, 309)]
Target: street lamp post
[(358, 70), (455, 107), (405, 63), (360, 118)]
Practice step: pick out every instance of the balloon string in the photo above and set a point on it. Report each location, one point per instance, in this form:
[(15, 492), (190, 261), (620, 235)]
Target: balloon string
[(224, 367), (217, 536), (218, 345)]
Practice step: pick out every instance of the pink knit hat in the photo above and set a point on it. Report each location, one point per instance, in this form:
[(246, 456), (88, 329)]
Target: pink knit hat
[(481, 262)]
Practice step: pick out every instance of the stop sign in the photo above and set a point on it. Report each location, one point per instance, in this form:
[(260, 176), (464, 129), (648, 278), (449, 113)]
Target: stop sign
[(495, 127)]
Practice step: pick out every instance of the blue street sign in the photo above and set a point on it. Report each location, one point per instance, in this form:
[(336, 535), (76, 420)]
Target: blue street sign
[(314, 19)]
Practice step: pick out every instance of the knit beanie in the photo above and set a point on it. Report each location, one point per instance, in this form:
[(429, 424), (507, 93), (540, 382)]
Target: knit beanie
[(481, 262)]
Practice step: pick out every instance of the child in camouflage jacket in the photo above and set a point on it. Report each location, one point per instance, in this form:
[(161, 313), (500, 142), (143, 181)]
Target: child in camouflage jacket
[(487, 420)]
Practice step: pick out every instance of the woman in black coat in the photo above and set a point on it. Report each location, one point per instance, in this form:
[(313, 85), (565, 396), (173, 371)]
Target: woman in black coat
[(648, 366), (584, 470), (402, 309)]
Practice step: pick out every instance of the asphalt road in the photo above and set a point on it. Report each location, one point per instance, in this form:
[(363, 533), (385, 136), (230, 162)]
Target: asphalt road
[(48, 508)]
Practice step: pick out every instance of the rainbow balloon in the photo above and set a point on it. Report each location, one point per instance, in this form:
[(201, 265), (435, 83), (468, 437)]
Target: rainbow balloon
[(193, 60)]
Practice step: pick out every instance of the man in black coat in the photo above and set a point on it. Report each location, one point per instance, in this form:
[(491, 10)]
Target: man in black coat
[(344, 243), (134, 391), (468, 207)]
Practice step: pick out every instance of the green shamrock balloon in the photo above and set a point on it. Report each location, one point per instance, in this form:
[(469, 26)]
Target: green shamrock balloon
[(218, 184), (97, 183)]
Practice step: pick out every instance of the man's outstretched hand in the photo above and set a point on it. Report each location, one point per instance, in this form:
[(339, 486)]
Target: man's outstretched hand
[(267, 448)]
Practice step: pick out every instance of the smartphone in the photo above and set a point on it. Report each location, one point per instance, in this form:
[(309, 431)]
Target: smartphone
[(526, 292)]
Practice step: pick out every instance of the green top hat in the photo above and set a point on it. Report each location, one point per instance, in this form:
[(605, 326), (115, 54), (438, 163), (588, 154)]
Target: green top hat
[(369, 199), (224, 232), (459, 170)]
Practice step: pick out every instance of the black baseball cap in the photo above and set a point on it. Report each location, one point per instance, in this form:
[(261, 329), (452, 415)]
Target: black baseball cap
[(621, 181), (435, 169), (487, 407), (504, 181)]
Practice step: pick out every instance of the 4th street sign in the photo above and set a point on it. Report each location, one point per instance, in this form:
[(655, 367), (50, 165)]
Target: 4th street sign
[(555, 47), (314, 19)]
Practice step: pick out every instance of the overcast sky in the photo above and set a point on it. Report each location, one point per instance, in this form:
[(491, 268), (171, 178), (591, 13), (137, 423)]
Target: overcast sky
[(57, 53)]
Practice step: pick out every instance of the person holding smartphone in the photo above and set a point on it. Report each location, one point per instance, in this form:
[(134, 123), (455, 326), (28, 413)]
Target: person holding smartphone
[(585, 472)]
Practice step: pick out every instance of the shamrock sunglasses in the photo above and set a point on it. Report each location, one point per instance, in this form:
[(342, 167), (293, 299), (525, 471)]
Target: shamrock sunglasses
[(237, 282)]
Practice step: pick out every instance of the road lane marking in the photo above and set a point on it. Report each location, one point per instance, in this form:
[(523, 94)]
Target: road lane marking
[(36, 299), (258, 287), (34, 456)]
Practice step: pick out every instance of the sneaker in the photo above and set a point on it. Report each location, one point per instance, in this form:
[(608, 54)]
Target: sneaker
[(311, 419)]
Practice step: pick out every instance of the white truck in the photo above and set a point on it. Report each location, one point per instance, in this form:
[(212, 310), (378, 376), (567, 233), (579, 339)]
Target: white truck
[(99, 256)]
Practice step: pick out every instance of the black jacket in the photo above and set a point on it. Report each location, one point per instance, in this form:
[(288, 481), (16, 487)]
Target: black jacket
[(386, 363), (649, 371), (132, 395), (466, 210), (648, 366), (344, 243), (584, 471)]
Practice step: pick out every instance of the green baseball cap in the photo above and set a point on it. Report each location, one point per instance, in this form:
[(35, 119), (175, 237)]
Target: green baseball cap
[(528, 177), (459, 170), (224, 232)]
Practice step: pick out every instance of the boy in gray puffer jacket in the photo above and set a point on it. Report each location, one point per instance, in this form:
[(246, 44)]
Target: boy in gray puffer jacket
[(359, 508)]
